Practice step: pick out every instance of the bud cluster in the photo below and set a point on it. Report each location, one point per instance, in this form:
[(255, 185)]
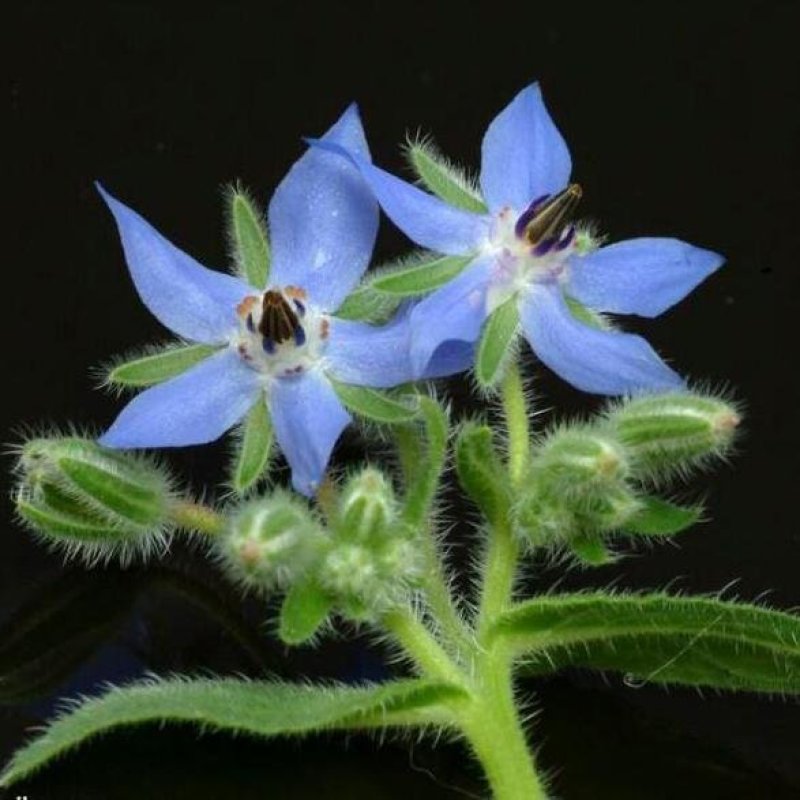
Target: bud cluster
[(373, 560), (586, 481), (92, 502)]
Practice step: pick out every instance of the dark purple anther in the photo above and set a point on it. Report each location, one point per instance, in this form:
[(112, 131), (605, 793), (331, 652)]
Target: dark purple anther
[(528, 214), (567, 238), (268, 345), (250, 324), (301, 309), (544, 247), (299, 336)]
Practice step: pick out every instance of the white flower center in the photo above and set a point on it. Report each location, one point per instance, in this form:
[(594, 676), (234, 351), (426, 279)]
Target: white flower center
[(279, 333), (532, 246)]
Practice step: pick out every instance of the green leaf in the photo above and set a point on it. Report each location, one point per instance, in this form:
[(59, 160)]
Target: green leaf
[(497, 342), (442, 178), (697, 641), (305, 608), (375, 405), (258, 708), (253, 448), (157, 366), (366, 304), (418, 275), (661, 518), (424, 482), (248, 236), (480, 471)]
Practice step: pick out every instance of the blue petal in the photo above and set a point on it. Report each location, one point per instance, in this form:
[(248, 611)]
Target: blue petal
[(640, 276), (523, 155), (323, 220), (593, 360), (455, 312), (369, 355), (422, 217), (193, 408), (308, 419), (450, 358), (194, 302)]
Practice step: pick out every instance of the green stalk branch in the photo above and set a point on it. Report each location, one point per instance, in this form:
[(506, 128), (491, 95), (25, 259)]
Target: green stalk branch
[(196, 517)]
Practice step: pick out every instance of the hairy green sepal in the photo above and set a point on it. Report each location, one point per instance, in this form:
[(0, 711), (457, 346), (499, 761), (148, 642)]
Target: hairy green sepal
[(377, 406), (442, 178), (248, 236), (159, 366), (496, 346), (253, 448)]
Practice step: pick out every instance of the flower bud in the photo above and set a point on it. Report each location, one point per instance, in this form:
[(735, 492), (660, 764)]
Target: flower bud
[(92, 501), (367, 577), (576, 460), (368, 507), (669, 433), (270, 542)]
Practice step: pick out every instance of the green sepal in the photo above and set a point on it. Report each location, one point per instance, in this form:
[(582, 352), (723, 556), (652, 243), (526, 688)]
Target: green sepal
[(659, 517), (480, 471), (248, 237), (423, 483), (54, 520), (375, 405), (418, 275), (591, 550), (114, 491), (585, 315), (253, 448), (366, 304), (442, 178), (305, 609), (157, 366), (258, 708), (658, 638), (497, 344)]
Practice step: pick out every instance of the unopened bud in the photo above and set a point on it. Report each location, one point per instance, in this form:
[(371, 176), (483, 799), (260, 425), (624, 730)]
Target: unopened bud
[(368, 507), (270, 542), (669, 433), (92, 502), (578, 459)]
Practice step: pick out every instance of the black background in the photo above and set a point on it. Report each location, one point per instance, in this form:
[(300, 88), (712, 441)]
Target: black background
[(682, 120)]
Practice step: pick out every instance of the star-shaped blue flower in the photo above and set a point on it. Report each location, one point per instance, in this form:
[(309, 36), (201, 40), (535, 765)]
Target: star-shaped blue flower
[(281, 340), (525, 248)]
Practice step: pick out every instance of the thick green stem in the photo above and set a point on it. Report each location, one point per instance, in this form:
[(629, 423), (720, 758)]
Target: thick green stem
[(494, 730), (196, 517)]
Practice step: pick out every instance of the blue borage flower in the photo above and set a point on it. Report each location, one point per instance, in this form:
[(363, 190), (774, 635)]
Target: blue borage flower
[(282, 339), (525, 247)]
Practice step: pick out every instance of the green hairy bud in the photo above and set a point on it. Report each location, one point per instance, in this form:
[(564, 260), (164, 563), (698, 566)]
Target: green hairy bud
[(373, 561), (270, 542), (671, 433), (92, 502), (368, 506)]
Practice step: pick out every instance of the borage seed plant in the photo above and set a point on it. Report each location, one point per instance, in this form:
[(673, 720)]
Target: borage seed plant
[(298, 341)]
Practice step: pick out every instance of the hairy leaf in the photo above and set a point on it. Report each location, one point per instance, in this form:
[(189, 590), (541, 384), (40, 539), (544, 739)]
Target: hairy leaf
[(697, 641), (480, 471), (259, 708), (305, 608), (661, 518)]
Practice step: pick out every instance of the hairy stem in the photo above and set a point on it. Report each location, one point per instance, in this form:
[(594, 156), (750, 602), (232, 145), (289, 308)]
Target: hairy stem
[(516, 414), (196, 517)]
